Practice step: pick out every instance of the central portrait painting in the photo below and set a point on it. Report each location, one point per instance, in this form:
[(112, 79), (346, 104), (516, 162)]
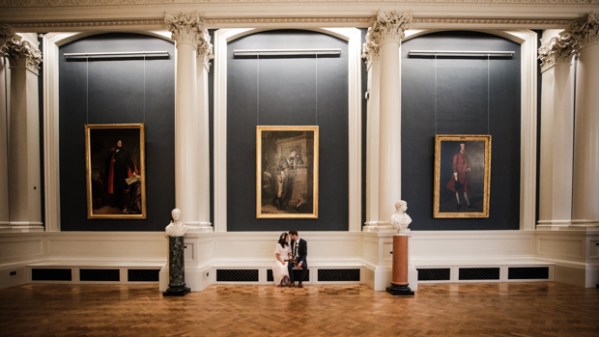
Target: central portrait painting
[(287, 172)]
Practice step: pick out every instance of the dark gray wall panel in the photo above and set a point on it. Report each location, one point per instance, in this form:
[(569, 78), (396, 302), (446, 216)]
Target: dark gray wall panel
[(448, 95), (117, 91), (287, 91)]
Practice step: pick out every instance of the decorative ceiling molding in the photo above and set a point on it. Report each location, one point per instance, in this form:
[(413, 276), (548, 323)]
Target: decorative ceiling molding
[(82, 15), (236, 22), (140, 3)]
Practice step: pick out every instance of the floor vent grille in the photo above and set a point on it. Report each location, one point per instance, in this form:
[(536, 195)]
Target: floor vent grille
[(434, 274), (528, 273), (51, 274), (105, 275), (479, 274), (336, 275), (143, 275), (237, 275)]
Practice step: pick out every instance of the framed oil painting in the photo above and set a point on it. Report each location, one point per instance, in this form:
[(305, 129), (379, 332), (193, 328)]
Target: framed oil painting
[(115, 171), (287, 172), (462, 176)]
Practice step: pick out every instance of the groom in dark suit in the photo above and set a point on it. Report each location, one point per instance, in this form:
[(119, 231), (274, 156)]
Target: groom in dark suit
[(299, 251)]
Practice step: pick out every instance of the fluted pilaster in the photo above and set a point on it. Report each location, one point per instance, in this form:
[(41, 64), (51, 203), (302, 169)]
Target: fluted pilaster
[(371, 54), (586, 124), (557, 133), (205, 55), (23, 146)]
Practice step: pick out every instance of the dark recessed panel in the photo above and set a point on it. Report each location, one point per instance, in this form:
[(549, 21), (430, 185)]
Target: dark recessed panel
[(325, 275), (237, 275), (99, 275), (479, 274), (143, 275), (433, 274), (49, 274), (528, 273)]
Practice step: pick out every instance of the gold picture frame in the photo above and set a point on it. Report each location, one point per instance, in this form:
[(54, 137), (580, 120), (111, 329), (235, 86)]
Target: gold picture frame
[(287, 172), (115, 171), (462, 176)]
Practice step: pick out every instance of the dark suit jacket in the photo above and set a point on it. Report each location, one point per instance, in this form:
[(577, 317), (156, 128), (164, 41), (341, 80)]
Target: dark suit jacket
[(302, 251)]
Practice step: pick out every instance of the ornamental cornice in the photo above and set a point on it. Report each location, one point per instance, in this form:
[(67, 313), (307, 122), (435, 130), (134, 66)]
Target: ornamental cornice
[(282, 21), (141, 3)]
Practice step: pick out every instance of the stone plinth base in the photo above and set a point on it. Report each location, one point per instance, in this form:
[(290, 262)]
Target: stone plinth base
[(395, 289)]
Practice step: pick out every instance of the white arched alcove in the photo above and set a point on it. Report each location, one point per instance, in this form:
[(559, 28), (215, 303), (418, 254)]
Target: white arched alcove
[(221, 39), (52, 44), (528, 112)]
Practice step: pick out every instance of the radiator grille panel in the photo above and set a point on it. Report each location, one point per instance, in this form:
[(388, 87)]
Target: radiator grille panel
[(237, 275), (143, 275), (434, 274), (99, 275), (479, 273), (528, 273), (50, 274), (325, 275)]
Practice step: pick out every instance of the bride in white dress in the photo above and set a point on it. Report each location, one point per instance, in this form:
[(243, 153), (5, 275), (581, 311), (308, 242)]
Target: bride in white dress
[(280, 272)]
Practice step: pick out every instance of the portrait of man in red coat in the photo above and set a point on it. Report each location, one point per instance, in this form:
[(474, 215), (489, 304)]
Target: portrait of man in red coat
[(459, 182)]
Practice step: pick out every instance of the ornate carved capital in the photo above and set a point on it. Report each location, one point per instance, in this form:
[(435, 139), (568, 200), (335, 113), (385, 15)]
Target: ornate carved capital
[(387, 25), (370, 48), (185, 27), (191, 28), (560, 49), (586, 29), (18, 50), (205, 49), (392, 24)]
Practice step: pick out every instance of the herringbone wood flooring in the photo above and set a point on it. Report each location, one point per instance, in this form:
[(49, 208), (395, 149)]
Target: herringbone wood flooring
[(506, 309)]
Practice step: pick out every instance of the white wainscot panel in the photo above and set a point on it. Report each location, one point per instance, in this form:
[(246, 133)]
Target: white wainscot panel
[(145, 246), (19, 248), (471, 246), (561, 248)]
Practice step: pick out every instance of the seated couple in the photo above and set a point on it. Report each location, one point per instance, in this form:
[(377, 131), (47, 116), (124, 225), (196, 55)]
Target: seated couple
[(290, 254)]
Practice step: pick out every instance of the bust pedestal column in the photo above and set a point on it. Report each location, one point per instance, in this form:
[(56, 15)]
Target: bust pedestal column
[(399, 280), (176, 267)]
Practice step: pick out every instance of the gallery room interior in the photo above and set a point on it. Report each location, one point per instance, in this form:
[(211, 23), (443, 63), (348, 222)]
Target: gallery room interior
[(254, 118)]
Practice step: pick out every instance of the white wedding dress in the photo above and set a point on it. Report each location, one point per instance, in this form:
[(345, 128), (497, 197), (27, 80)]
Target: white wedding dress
[(279, 270)]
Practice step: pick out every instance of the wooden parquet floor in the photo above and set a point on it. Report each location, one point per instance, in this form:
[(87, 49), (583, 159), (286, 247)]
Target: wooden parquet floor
[(506, 309)]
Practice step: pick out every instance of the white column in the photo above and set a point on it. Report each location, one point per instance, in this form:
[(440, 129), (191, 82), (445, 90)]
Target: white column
[(586, 137), (205, 54), (371, 53), (23, 166), (391, 26), (4, 99), (186, 31), (557, 133)]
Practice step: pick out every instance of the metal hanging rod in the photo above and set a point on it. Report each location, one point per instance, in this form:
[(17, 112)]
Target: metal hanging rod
[(286, 52), (463, 53), (116, 54)]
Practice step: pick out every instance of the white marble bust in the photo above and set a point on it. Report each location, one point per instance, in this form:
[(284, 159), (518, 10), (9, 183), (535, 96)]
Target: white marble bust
[(176, 227), (400, 220)]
